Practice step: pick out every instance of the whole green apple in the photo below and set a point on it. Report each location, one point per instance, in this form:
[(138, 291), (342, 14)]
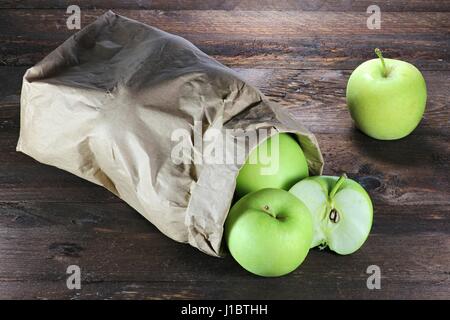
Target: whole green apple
[(277, 162), (386, 97), (269, 232), (341, 210)]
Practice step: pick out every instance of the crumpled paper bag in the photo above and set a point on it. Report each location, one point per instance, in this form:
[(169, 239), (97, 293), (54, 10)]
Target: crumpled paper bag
[(110, 105)]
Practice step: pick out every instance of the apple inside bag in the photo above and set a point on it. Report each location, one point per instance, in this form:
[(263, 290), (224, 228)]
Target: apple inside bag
[(153, 119)]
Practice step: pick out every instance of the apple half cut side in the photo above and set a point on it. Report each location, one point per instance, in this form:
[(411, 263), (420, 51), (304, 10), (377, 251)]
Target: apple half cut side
[(341, 209)]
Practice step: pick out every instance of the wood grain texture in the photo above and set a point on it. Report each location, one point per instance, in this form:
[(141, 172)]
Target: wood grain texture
[(315, 97), (259, 5), (302, 59), (122, 256), (304, 40)]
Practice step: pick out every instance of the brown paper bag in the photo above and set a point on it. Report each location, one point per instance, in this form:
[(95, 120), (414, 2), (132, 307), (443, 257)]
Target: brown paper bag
[(111, 105)]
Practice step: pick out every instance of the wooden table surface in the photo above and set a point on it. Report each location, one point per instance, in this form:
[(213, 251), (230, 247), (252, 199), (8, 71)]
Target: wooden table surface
[(300, 54)]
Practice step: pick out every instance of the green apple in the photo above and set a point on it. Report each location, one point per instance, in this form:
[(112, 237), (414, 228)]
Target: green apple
[(269, 232), (341, 210), (386, 97), (277, 162)]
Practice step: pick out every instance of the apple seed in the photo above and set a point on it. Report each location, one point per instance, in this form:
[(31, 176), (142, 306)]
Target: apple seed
[(334, 216)]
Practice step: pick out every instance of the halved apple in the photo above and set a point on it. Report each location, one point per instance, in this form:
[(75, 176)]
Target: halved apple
[(341, 209)]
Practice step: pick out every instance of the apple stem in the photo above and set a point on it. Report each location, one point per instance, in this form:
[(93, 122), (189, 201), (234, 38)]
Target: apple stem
[(380, 55), (266, 210), (337, 185)]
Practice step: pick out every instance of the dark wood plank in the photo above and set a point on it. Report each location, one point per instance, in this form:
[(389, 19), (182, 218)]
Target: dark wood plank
[(349, 289), (118, 218), (410, 171), (74, 217), (121, 256), (303, 5), (272, 39), (394, 173), (315, 97)]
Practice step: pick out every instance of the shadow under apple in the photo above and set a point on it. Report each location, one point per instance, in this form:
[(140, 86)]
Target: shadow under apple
[(422, 147)]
